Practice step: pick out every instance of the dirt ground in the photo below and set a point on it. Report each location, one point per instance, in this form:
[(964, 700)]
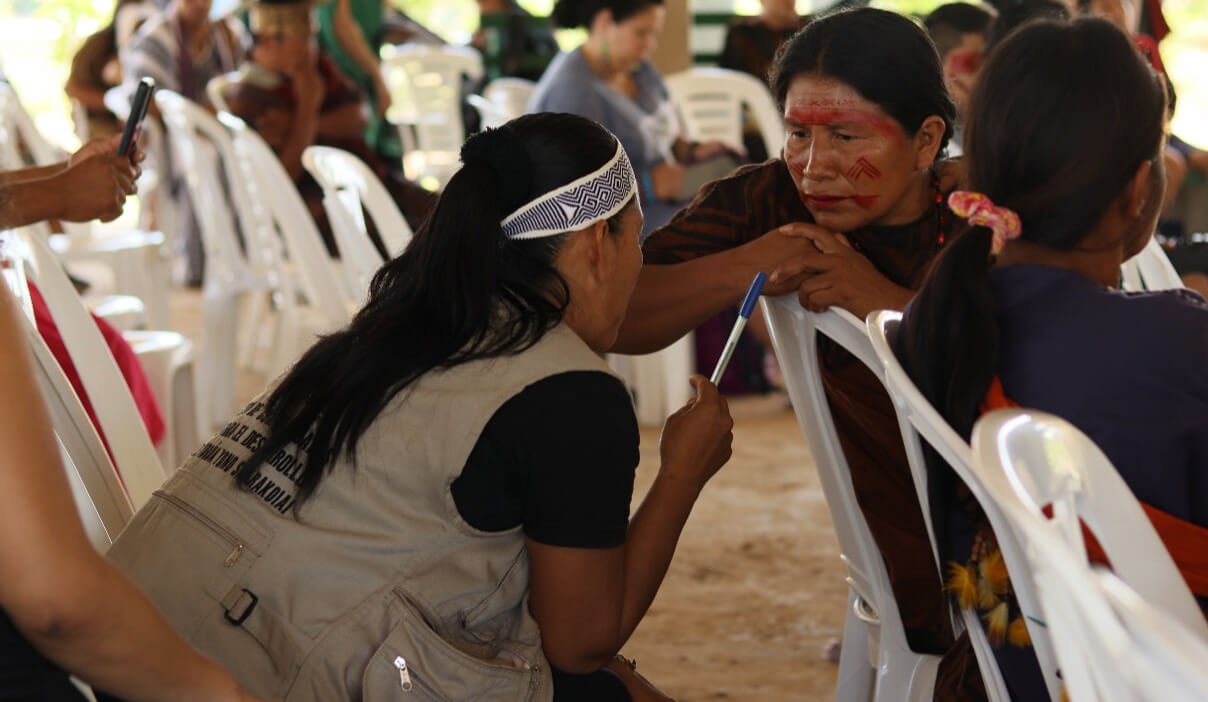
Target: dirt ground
[(756, 588)]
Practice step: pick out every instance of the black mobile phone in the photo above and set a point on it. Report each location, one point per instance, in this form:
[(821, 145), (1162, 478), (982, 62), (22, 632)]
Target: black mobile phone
[(138, 110)]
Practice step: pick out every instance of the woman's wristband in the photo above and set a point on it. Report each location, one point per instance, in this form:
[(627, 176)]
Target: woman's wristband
[(648, 184)]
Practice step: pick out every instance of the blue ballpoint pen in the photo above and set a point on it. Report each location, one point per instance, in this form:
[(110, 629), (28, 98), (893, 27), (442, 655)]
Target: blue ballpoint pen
[(744, 313)]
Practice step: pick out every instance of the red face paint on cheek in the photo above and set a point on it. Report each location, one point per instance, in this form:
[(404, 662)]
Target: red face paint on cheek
[(963, 62), (863, 169), (865, 201)]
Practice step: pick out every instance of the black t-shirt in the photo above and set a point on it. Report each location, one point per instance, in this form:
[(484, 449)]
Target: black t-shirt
[(558, 458)]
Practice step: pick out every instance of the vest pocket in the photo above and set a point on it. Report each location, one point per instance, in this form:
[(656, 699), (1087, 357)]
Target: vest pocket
[(184, 560), (416, 663)]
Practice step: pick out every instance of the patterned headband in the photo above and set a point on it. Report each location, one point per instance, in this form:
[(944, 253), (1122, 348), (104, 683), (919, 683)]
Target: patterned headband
[(593, 198)]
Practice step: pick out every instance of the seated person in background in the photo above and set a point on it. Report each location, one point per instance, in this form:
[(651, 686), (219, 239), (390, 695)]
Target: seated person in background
[(751, 44), (610, 79), (295, 97), (512, 43), (437, 496), (182, 49), (94, 69), (1022, 308), (352, 33), (959, 32)]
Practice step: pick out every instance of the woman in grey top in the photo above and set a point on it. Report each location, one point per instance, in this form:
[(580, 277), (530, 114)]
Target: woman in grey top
[(610, 79)]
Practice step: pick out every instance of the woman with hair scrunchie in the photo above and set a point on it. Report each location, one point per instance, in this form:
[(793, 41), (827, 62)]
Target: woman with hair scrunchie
[(1022, 307), (435, 499)]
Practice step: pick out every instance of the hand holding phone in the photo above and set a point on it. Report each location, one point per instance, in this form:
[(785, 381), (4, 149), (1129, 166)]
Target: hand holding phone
[(138, 111)]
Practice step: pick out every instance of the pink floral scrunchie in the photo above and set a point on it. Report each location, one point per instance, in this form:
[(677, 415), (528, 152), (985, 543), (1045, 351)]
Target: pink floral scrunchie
[(981, 211)]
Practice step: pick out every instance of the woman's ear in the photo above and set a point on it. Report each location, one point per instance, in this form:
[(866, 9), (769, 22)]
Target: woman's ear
[(1139, 193), (927, 141), (603, 252), (601, 21)]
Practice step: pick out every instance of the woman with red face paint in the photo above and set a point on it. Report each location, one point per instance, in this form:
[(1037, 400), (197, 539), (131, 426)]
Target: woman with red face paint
[(850, 215)]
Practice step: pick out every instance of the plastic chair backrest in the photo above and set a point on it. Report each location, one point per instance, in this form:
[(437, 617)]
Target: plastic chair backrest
[(214, 92), (141, 470), (431, 82), (795, 332), (198, 161), (360, 257), (1150, 269), (919, 422), (1032, 459), (510, 96), (319, 277), (43, 152), (711, 101), (100, 498), (1166, 659)]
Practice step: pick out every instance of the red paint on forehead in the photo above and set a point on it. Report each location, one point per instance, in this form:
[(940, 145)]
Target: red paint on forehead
[(825, 116)]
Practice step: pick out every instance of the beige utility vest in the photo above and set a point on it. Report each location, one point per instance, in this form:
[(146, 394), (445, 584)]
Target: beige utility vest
[(377, 589)]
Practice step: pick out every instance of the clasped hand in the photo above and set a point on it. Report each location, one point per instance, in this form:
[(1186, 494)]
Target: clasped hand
[(824, 269)]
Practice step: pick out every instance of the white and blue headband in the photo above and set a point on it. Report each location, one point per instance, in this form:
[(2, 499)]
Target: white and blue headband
[(595, 197)]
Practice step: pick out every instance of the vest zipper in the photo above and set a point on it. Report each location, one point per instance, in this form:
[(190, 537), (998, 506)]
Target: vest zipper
[(404, 676), (237, 549), (534, 680)]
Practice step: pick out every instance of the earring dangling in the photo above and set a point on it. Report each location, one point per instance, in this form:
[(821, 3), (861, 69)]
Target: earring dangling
[(605, 59)]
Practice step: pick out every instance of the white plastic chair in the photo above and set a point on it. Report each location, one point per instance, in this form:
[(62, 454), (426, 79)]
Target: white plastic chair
[(710, 103), (197, 138), (215, 89), (100, 498), (1166, 658), (329, 301), (426, 87), (141, 469), (874, 638), (919, 422), (1028, 459), (348, 184), (1150, 269), (503, 100)]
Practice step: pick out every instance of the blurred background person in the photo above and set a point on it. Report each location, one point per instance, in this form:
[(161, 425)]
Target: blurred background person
[(959, 32)]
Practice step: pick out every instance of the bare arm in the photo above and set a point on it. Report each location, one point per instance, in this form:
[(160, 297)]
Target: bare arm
[(354, 43), (106, 631), (33, 173), (672, 300), (588, 602), (98, 179)]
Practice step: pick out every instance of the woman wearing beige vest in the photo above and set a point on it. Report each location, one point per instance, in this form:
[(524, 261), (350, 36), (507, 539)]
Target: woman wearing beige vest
[(433, 503)]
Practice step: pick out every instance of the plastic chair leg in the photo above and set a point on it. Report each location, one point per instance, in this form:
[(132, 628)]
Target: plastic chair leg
[(856, 674)]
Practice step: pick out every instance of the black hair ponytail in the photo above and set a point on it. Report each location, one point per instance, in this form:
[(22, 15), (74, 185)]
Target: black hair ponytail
[(461, 291)]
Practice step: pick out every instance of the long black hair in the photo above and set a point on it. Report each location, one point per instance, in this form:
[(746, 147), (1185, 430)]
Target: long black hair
[(461, 291), (1062, 117), (572, 14), (882, 55)]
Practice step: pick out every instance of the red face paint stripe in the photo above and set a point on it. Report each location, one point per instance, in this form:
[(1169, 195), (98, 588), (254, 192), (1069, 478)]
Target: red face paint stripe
[(829, 117), (863, 168)]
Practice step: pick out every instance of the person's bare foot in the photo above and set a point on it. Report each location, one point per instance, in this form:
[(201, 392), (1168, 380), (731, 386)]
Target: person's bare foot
[(831, 650)]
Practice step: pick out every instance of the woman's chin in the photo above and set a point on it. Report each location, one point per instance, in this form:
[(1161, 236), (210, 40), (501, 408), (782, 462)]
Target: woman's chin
[(837, 221)]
